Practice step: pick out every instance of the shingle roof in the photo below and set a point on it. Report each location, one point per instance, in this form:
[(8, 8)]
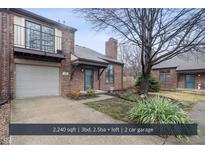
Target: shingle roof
[(185, 61), (89, 54)]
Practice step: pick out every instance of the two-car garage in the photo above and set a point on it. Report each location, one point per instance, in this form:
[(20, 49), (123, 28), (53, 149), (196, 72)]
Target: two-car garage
[(33, 80)]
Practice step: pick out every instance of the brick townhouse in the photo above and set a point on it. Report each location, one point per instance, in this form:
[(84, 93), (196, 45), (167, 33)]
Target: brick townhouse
[(38, 57), (183, 72)]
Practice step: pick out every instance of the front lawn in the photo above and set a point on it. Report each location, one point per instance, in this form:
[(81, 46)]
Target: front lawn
[(118, 107), (186, 98), (115, 107), (151, 110)]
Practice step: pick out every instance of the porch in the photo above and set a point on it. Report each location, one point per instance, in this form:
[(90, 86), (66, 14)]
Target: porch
[(191, 81), (86, 74)]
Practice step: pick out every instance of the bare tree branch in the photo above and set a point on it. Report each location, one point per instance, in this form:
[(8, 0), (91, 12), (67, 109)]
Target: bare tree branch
[(158, 34)]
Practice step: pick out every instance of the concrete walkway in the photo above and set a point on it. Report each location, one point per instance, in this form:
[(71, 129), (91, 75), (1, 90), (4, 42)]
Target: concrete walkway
[(198, 115), (64, 110)]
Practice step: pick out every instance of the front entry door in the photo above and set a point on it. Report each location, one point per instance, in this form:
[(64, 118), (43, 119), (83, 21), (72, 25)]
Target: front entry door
[(190, 81), (88, 79)]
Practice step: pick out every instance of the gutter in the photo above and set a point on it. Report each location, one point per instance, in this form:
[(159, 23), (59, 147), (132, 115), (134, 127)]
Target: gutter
[(89, 60)]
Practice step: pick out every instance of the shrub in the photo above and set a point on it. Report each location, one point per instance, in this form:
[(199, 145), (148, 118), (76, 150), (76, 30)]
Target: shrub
[(157, 110), (68, 95), (90, 92), (76, 92), (154, 85)]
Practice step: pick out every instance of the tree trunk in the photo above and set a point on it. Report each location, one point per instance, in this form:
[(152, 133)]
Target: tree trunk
[(144, 87)]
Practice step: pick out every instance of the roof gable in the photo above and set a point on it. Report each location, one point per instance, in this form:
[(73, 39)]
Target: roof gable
[(89, 54)]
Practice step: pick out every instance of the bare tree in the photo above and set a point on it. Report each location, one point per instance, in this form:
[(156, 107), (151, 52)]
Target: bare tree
[(160, 34), (129, 54)]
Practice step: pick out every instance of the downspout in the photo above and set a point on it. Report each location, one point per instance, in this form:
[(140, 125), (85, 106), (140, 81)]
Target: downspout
[(8, 55)]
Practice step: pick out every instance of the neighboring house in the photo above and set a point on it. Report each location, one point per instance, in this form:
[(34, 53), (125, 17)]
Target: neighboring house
[(185, 72), (38, 57)]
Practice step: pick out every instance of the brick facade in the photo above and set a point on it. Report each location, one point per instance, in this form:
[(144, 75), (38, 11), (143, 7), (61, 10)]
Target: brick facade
[(67, 84), (111, 48), (180, 81), (78, 79), (199, 80), (68, 42), (77, 82), (117, 84), (7, 56), (173, 82)]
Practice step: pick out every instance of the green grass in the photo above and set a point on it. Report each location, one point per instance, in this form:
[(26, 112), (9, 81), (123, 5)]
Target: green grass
[(115, 107), (188, 99), (127, 111), (183, 96), (118, 108)]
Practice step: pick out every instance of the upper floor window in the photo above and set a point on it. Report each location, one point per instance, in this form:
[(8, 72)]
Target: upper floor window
[(48, 39), (109, 74), (165, 76), (40, 37)]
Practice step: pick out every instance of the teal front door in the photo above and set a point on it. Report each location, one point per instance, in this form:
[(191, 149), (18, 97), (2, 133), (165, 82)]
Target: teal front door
[(190, 81), (88, 79)]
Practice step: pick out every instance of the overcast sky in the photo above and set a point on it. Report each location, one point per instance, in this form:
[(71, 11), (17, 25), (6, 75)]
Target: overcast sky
[(85, 36)]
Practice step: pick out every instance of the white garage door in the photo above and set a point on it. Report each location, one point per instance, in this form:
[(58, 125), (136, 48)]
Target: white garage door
[(32, 81)]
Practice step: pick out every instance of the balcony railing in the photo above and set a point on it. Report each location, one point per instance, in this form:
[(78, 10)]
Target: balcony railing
[(34, 39)]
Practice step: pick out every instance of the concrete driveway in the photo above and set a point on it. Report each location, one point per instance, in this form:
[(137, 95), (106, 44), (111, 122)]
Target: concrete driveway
[(198, 114), (63, 110)]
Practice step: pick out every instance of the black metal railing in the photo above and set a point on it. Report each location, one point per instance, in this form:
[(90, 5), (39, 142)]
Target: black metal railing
[(34, 39)]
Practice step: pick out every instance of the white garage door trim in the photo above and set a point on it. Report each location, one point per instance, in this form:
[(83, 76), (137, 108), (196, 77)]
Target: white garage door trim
[(34, 81)]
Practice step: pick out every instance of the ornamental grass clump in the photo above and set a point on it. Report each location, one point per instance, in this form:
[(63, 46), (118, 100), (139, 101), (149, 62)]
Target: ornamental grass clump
[(157, 110)]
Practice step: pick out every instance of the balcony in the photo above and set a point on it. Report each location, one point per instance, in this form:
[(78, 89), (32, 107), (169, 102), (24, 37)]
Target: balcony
[(33, 41)]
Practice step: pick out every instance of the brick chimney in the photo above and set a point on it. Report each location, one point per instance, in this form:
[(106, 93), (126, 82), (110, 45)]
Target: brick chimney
[(111, 48)]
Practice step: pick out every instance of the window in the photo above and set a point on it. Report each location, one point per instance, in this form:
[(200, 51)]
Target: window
[(165, 76), (47, 39), (33, 36), (39, 37), (109, 74)]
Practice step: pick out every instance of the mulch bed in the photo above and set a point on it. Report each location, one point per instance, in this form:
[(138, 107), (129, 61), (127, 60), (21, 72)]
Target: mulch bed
[(82, 97), (114, 107), (4, 123)]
